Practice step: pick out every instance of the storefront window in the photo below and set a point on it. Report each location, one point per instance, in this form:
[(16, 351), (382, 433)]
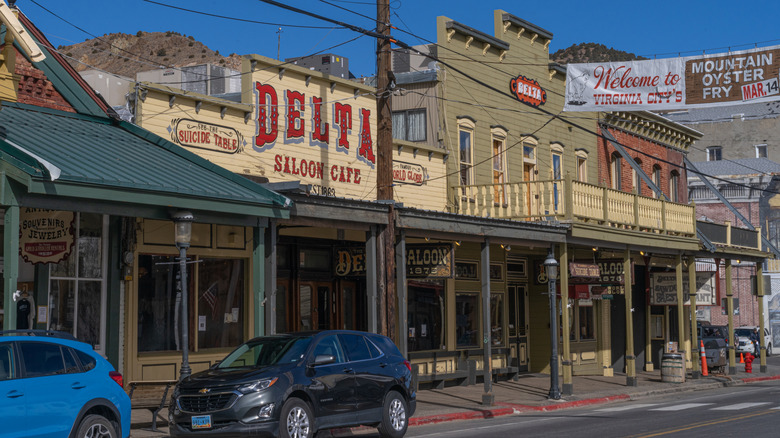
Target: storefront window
[(216, 310), (220, 303), (466, 319), (496, 319), (426, 315), (77, 284), (585, 323)]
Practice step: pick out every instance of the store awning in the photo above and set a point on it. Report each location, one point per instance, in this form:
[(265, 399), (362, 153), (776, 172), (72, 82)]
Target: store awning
[(60, 160)]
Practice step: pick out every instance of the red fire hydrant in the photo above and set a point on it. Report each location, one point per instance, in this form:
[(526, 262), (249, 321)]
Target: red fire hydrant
[(749, 362)]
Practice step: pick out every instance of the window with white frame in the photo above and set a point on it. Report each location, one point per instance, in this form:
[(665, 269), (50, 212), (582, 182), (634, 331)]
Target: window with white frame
[(499, 169), (674, 186), (466, 154), (656, 179), (761, 151), (582, 166), (636, 177), (556, 150), (410, 125), (714, 153), (77, 285)]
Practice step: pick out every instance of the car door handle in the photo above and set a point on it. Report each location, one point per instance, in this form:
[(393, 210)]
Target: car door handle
[(78, 385), (382, 365), (14, 394), (349, 371)]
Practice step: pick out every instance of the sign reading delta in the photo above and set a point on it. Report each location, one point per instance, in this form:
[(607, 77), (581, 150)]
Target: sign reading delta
[(311, 139), (528, 91)]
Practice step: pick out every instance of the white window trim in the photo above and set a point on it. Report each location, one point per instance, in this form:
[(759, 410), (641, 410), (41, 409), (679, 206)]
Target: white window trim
[(766, 150)]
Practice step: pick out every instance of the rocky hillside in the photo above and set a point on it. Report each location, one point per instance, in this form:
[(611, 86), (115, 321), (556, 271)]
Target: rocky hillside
[(126, 55), (591, 52)]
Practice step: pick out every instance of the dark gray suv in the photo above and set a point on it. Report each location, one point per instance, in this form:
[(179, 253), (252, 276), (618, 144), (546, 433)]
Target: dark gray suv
[(293, 385)]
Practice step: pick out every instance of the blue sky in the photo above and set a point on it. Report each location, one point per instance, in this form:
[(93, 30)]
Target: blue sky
[(659, 28)]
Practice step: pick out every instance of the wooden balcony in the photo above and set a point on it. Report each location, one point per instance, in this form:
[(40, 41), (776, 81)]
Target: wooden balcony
[(566, 200)]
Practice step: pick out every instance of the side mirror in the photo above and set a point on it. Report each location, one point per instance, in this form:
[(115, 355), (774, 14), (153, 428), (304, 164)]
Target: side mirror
[(323, 359)]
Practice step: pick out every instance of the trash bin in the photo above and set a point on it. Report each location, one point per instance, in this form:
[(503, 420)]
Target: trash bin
[(672, 368)]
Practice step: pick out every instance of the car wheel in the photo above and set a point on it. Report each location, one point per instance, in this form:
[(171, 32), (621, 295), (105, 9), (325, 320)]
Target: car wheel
[(296, 420), (96, 426), (394, 416), (768, 350)]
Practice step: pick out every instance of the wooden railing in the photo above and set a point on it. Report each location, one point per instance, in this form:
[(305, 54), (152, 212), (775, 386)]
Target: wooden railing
[(574, 201)]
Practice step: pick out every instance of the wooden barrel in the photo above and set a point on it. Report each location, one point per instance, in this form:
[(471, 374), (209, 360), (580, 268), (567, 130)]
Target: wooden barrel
[(672, 368)]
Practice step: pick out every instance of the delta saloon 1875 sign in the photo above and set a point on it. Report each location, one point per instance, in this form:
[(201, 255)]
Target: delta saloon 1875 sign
[(731, 78)]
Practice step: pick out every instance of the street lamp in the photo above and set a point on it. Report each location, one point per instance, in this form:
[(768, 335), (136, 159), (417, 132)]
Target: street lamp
[(551, 265), (182, 236)]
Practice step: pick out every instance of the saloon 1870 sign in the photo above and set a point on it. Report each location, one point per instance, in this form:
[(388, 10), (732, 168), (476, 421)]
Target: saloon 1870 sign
[(429, 261)]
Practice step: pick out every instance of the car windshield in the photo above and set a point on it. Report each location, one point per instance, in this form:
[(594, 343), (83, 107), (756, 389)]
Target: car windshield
[(743, 332), (266, 351)]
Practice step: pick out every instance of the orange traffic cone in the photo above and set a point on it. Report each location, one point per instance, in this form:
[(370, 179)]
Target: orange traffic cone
[(741, 359), (704, 371)]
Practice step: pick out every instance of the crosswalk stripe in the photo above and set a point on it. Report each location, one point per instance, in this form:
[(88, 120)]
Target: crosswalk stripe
[(739, 406), (682, 407), (627, 407)]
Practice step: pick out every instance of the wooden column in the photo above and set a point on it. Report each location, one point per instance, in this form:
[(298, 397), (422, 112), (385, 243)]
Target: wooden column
[(680, 307), (264, 278), (403, 293), (488, 398), (730, 312), (648, 319), (695, 347), (568, 381), (630, 358), (760, 298), (11, 265)]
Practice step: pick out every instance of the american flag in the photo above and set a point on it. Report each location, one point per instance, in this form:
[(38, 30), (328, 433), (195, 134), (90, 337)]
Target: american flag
[(210, 296)]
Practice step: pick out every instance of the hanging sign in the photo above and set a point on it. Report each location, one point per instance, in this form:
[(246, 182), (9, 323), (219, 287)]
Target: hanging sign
[(45, 236), (528, 91), (584, 272), (217, 138), (409, 173), (663, 289), (429, 261)]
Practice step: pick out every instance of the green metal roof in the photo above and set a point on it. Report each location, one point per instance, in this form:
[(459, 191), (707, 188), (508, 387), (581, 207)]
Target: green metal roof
[(97, 158)]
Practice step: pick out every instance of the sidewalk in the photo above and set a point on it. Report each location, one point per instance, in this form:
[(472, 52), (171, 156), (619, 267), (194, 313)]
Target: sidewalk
[(527, 394)]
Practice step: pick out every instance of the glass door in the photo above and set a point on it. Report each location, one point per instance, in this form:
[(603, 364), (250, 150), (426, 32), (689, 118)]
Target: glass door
[(518, 325)]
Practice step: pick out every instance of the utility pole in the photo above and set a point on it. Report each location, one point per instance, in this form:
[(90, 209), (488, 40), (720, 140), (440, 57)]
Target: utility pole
[(384, 142), (278, 43)]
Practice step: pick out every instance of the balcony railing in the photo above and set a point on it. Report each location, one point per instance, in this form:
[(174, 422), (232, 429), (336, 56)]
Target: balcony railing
[(574, 201)]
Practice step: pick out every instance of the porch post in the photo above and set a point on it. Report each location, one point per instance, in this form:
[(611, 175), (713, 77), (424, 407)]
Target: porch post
[(696, 370), (371, 279), (648, 318), (568, 383), (760, 297), (403, 291), (11, 265), (265, 279), (730, 312), (488, 398), (680, 307), (630, 358)]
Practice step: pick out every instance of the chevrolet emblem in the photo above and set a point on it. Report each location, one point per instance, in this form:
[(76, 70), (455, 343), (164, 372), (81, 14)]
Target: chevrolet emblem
[(204, 391)]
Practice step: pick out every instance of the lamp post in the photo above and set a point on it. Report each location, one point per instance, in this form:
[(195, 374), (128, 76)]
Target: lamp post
[(551, 265), (183, 235)]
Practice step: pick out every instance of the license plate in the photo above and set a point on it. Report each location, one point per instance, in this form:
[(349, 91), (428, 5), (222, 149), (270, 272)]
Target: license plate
[(201, 422)]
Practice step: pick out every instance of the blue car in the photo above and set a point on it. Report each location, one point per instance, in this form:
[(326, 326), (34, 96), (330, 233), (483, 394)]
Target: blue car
[(52, 385)]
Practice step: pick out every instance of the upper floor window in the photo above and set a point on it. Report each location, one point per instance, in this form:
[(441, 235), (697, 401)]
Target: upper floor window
[(714, 153), (656, 179), (582, 166), (614, 171), (674, 186), (761, 151), (409, 125), (466, 148), (499, 165), (636, 177)]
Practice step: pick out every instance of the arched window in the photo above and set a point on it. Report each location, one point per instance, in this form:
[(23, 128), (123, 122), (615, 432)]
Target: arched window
[(674, 186), (656, 178), (614, 171), (466, 151), (636, 178), (582, 165)]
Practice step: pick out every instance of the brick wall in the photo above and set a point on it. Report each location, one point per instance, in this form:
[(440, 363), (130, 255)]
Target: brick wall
[(653, 155), (35, 89), (741, 289), (719, 213)]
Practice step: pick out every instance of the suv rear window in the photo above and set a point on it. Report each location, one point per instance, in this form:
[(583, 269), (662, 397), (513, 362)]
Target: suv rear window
[(87, 362), (356, 347), (6, 362)]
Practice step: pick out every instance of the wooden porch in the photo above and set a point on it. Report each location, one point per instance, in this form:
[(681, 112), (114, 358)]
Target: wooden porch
[(567, 200)]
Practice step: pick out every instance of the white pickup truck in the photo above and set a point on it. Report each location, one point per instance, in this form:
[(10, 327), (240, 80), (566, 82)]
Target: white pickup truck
[(745, 336)]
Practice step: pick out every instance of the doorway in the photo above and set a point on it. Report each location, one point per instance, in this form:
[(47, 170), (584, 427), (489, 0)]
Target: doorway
[(518, 325)]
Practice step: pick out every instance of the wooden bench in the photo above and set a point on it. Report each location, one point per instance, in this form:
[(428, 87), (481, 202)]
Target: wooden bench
[(151, 395)]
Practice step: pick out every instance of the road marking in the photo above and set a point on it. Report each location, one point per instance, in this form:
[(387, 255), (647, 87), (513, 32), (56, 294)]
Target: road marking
[(627, 407), (738, 406), (682, 407)]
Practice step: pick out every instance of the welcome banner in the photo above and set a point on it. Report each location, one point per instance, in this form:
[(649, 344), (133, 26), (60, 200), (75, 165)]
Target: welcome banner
[(731, 78)]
